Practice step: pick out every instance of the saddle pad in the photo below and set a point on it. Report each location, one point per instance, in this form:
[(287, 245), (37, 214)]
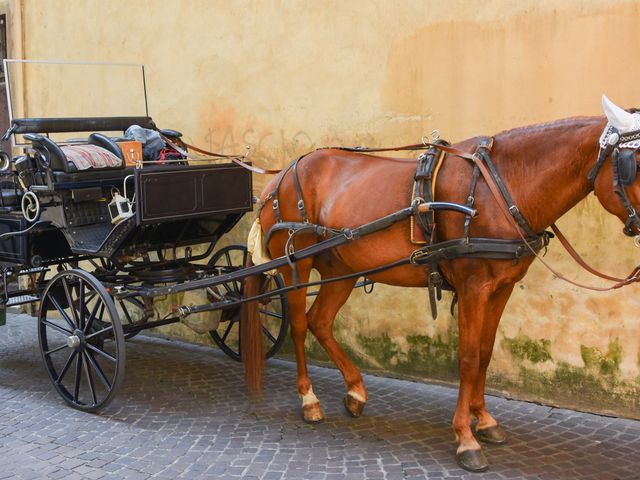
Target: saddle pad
[(417, 233), (90, 156)]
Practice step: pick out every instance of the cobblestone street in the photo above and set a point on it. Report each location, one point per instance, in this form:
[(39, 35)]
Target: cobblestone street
[(183, 413)]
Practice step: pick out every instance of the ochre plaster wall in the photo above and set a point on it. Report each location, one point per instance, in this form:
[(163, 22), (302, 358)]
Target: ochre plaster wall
[(288, 76)]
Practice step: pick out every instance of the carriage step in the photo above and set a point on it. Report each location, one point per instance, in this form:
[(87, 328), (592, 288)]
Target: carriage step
[(22, 299)]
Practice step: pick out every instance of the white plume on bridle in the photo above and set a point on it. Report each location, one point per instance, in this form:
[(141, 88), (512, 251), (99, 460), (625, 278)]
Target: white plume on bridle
[(620, 120)]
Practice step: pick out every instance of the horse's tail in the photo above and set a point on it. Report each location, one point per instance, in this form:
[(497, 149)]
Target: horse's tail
[(251, 335)]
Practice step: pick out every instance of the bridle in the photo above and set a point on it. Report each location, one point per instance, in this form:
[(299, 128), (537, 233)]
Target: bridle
[(622, 147)]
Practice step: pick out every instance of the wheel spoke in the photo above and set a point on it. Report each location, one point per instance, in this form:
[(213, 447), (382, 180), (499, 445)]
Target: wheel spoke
[(57, 349), (89, 324), (89, 297), (81, 305), (271, 314), (65, 285), (99, 332), (96, 366), (76, 388), (226, 332), (64, 331), (227, 288), (62, 312), (87, 372), (104, 354), (64, 370), (125, 311), (267, 334)]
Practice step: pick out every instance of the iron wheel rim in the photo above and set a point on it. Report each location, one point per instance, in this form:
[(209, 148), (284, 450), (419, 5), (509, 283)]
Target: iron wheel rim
[(273, 312), (83, 351)]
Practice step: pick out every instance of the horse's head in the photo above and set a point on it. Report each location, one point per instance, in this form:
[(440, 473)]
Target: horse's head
[(620, 141)]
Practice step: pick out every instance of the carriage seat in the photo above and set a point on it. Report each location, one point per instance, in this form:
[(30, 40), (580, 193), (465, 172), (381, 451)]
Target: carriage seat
[(100, 152)]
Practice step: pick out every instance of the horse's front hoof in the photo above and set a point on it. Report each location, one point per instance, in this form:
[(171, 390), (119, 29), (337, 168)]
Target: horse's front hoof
[(354, 406), (312, 413), (494, 435), (472, 460)]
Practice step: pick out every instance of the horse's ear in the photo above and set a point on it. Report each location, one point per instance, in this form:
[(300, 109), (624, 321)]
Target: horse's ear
[(618, 117)]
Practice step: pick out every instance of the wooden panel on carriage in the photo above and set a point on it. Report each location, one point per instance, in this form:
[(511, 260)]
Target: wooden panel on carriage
[(167, 193)]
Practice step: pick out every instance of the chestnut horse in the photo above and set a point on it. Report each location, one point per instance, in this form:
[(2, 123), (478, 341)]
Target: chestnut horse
[(544, 167)]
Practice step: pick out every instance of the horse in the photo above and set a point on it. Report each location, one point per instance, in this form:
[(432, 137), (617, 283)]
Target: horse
[(547, 169)]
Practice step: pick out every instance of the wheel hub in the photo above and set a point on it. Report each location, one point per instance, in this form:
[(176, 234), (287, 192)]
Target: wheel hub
[(73, 341), (76, 340)]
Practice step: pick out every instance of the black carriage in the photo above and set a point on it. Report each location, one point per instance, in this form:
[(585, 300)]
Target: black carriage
[(94, 246), (95, 228)]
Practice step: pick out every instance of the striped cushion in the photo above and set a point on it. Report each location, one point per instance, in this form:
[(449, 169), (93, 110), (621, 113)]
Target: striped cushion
[(90, 156)]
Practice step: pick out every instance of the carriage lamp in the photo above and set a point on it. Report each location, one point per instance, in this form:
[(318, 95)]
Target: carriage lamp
[(119, 208)]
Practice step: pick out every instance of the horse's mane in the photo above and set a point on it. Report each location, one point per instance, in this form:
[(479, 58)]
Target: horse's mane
[(574, 122)]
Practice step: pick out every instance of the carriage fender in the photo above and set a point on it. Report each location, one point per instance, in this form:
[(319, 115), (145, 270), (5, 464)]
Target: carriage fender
[(256, 246)]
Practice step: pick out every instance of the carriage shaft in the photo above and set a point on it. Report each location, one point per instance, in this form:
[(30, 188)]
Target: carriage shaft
[(242, 273)]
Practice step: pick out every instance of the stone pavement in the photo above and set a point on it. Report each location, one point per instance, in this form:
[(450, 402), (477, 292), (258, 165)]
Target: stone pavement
[(182, 413)]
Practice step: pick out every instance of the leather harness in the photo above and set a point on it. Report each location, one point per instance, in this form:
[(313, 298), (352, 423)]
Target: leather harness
[(529, 244), (434, 252)]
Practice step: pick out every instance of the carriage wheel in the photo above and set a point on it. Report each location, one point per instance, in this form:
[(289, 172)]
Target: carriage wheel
[(81, 340), (273, 311)]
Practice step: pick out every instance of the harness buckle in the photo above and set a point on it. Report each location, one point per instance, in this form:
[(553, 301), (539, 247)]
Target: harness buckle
[(275, 204), (300, 205), (435, 279), (513, 210)]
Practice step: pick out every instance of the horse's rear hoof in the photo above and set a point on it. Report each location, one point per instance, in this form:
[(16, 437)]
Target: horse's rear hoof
[(473, 460), (494, 435), (312, 413), (354, 406)]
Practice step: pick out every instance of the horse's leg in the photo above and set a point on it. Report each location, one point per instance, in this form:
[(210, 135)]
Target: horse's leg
[(311, 410), (330, 299), (478, 306), (487, 428)]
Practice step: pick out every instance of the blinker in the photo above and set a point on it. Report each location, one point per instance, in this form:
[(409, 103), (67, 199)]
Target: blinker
[(627, 166)]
